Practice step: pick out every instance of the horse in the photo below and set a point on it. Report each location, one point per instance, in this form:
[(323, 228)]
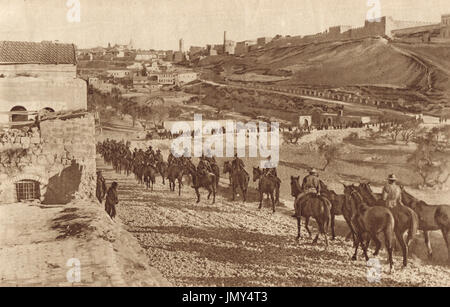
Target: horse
[(175, 173), (337, 207), (238, 178), (266, 185), (431, 218), (202, 179), (149, 173), (313, 206), (370, 221), (162, 168), (405, 219)]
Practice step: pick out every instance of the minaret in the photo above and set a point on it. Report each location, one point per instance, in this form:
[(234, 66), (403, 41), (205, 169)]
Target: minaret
[(181, 45), (224, 41)]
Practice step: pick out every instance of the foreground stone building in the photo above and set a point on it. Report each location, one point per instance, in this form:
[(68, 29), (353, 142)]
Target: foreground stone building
[(36, 77)]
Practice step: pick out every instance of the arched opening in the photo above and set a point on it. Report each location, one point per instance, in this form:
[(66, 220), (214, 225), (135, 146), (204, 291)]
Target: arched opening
[(47, 109), (28, 190), (19, 117), (330, 122), (306, 123)]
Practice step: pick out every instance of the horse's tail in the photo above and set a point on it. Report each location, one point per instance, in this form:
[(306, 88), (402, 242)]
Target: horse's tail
[(327, 213), (413, 225)]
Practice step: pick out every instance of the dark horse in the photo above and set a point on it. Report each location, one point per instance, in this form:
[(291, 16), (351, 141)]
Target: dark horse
[(311, 206), (267, 185), (162, 169), (149, 173), (337, 207), (431, 218), (175, 173), (238, 178), (370, 221), (405, 219), (202, 179)]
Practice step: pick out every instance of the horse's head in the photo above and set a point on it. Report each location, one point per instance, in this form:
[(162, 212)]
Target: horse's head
[(256, 173), (295, 186)]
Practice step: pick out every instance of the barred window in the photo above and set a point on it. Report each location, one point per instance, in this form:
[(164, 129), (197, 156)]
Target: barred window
[(27, 190)]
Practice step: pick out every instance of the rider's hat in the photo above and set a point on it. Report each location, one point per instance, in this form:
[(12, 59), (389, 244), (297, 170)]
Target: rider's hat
[(392, 177), (313, 171), (235, 155)]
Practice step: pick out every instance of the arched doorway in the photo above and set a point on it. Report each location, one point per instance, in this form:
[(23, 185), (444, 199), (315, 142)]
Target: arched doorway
[(330, 122), (19, 117), (306, 123)]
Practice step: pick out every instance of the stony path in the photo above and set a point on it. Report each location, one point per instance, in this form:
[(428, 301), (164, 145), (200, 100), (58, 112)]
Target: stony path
[(234, 244)]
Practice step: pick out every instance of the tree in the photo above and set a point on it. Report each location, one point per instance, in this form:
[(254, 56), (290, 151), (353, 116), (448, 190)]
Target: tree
[(329, 149), (430, 159), (408, 130)]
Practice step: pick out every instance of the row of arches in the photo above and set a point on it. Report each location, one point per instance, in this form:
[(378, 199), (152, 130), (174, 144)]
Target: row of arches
[(24, 117)]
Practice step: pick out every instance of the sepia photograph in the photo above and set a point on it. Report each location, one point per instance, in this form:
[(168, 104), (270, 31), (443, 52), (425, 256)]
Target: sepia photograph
[(224, 149)]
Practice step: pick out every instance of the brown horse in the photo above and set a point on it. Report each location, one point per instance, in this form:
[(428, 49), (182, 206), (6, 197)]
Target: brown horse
[(202, 179), (370, 221), (337, 207), (162, 169), (267, 185), (406, 220), (238, 178), (431, 218), (313, 206), (175, 173), (149, 173)]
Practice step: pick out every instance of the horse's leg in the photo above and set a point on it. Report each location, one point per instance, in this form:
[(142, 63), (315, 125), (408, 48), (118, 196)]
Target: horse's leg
[(272, 198), (377, 246), (214, 194), (198, 195), (426, 235), (333, 235), (209, 192), (307, 226), (299, 226), (388, 242), (233, 188), (261, 196), (179, 187), (404, 246), (445, 233)]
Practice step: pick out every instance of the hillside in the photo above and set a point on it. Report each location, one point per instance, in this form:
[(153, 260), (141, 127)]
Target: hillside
[(415, 73)]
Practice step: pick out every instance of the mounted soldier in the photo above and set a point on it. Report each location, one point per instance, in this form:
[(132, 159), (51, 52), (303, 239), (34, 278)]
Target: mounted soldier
[(158, 156), (204, 165), (310, 186), (238, 164), (270, 170), (392, 193)]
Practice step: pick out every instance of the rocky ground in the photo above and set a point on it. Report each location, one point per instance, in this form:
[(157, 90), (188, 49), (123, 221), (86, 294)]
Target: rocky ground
[(234, 244), (41, 246)]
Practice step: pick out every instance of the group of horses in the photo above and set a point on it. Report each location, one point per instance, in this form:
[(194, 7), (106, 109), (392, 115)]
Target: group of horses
[(368, 218), (364, 211)]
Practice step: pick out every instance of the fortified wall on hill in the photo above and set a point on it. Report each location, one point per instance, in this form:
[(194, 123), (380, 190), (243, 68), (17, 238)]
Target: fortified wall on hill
[(385, 27), (55, 164)]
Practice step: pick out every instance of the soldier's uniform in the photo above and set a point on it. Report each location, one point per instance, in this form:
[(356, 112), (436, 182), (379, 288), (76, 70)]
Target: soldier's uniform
[(392, 194), (101, 187), (238, 164), (112, 200), (310, 185)]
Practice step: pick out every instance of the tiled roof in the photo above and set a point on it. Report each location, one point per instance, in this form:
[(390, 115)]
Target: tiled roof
[(36, 53)]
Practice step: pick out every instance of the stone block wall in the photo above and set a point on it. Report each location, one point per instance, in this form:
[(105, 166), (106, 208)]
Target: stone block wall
[(61, 157)]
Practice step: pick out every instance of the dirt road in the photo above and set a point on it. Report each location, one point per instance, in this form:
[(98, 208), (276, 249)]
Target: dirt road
[(234, 244)]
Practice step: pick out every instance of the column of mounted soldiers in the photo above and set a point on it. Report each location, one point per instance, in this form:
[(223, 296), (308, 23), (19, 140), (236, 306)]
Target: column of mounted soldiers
[(394, 212)]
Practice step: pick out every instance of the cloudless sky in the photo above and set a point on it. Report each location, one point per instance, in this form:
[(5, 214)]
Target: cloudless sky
[(159, 24)]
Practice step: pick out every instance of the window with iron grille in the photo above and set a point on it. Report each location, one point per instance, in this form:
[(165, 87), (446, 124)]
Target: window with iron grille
[(27, 190)]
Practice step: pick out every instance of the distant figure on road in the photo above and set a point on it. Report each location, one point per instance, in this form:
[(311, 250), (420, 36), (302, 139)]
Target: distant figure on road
[(101, 187), (112, 200)]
